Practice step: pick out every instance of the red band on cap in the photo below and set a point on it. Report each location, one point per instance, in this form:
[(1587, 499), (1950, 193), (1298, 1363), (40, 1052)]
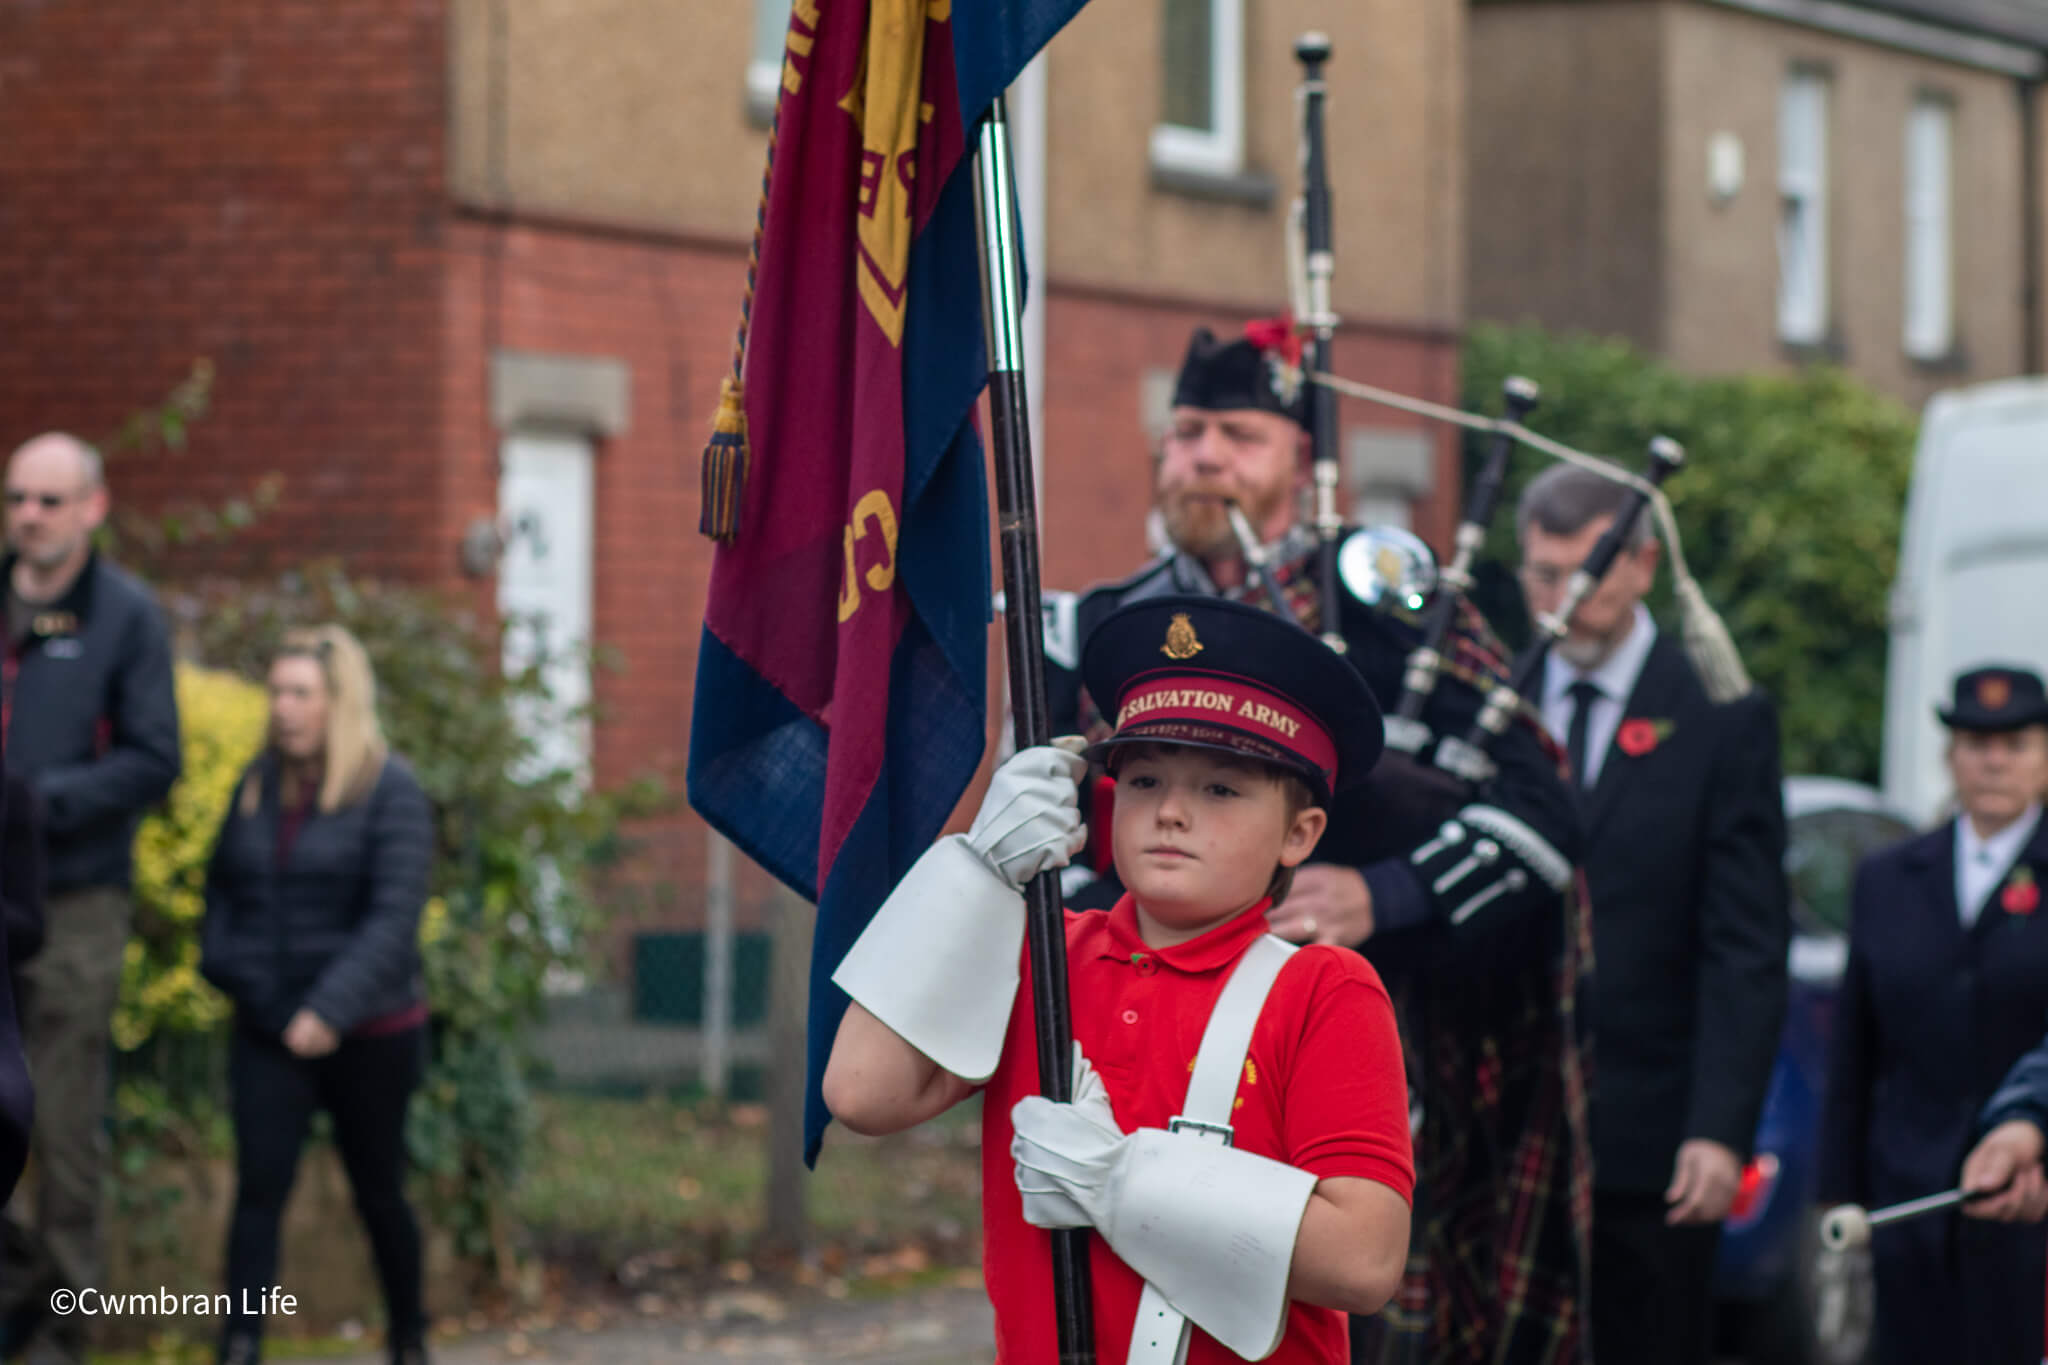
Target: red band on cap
[(1217, 699)]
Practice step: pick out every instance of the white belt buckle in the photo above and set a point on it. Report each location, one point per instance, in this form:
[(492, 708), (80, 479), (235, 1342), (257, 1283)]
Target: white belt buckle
[(1207, 1132)]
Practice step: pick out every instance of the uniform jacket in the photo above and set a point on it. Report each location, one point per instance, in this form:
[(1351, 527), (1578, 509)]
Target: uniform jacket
[(1685, 842), (1930, 1019), (92, 721), (2023, 1094), (335, 928)]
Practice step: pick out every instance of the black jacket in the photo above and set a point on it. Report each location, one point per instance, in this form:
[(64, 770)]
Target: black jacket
[(1930, 1019), (335, 929), (93, 722), (17, 1100), (22, 872), (1685, 851)]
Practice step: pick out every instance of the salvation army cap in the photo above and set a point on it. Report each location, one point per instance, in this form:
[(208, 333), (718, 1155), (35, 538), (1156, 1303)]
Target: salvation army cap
[(1996, 697), (1221, 375), (1213, 674)]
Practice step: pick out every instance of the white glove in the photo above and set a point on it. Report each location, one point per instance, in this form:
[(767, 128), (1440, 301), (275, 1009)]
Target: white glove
[(1211, 1228), (938, 963), (1030, 820)]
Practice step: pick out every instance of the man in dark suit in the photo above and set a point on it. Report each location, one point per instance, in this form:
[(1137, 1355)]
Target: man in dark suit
[(1684, 833), (1946, 989)]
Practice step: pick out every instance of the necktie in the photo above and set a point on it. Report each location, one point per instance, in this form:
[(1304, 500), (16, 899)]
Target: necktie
[(1583, 695)]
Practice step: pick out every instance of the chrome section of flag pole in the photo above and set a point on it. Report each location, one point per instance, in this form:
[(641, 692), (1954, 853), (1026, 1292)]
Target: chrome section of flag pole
[(1024, 646), (1002, 254)]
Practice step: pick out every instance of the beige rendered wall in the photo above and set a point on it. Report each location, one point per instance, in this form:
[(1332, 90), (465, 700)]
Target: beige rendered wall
[(624, 112), (634, 113), (1725, 73), (1394, 118), (1564, 195)]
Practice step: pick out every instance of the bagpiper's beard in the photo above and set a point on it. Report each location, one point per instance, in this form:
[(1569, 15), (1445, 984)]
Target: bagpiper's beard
[(1199, 527), (1198, 523)]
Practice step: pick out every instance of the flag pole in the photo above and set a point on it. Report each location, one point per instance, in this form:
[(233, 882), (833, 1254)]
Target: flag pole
[(1024, 645)]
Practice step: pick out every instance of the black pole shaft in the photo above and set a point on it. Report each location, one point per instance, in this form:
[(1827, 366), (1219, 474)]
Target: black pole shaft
[(1312, 50), (1024, 646), (1519, 399)]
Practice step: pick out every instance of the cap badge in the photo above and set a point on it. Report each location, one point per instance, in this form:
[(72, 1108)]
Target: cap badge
[(1180, 638), (1994, 692)]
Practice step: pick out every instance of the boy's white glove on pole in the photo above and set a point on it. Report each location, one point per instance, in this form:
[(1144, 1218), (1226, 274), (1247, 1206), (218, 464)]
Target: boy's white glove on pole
[(1210, 1227), (939, 962)]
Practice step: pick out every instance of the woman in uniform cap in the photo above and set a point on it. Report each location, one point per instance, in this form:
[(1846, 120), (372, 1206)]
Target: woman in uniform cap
[(1946, 987)]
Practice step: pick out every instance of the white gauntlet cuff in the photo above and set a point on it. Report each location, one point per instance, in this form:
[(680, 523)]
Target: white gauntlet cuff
[(939, 962), (1213, 1230)]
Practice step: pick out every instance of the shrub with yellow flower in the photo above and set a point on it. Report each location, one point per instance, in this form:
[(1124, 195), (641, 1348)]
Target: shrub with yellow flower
[(221, 720)]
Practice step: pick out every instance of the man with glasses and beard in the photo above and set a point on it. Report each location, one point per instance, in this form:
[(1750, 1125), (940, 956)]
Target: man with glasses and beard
[(1463, 900), (91, 721)]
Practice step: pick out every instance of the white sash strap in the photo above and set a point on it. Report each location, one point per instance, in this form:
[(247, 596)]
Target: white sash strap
[(1160, 1334)]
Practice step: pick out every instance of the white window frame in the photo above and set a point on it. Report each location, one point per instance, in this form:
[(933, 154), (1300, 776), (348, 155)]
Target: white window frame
[(764, 70), (1218, 150), (1803, 294), (1928, 331)]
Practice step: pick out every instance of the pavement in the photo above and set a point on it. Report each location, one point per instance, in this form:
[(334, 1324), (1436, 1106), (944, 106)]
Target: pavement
[(946, 1324)]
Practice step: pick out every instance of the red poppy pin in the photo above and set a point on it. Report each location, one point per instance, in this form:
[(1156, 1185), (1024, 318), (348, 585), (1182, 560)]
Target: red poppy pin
[(2022, 894), (1638, 735)]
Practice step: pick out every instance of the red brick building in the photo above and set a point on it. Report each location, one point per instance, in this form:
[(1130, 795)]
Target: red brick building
[(459, 262)]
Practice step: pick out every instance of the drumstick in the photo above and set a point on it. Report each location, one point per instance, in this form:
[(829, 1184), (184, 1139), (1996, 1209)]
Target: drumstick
[(1848, 1225)]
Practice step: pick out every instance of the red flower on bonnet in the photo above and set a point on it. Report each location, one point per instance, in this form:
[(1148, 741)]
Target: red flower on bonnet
[(1277, 336)]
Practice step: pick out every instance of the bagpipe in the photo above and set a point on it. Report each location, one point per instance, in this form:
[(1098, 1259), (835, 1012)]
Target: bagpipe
[(1389, 568)]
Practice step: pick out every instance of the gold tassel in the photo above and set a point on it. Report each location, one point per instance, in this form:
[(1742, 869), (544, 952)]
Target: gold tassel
[(725, 465)]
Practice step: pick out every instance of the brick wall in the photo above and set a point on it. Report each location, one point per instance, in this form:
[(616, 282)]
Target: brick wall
[(258, 183), (665, 307)]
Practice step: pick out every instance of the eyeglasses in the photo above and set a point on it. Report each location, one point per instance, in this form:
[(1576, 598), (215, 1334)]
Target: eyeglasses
[(49, 502), (1545, 575)]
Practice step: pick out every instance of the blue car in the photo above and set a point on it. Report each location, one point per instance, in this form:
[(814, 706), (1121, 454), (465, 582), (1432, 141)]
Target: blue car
[(1784, 1298)]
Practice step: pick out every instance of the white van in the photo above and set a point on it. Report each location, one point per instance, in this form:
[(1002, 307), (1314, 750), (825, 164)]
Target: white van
[(1972, 584)]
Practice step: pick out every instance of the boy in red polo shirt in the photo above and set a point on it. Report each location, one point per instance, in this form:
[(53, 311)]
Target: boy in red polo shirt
[(1262, 1230)]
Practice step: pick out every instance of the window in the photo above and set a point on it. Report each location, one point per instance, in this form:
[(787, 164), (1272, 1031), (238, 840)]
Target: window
[(1201, 125), (1822, 850), (1930, 310), (1803, 208), (764, 69)]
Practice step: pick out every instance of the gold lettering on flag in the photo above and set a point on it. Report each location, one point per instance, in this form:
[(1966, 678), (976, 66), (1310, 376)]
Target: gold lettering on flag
[(886, 100), (803, 36), (873, 507)]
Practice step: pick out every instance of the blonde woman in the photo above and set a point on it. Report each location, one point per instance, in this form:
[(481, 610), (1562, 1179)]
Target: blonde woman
[(312, 921)]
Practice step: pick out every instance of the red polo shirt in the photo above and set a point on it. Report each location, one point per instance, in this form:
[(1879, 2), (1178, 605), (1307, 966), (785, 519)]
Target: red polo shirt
[(1323, 1089)]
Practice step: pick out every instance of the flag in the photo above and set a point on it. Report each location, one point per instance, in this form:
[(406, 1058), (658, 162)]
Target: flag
[(841, 690)]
